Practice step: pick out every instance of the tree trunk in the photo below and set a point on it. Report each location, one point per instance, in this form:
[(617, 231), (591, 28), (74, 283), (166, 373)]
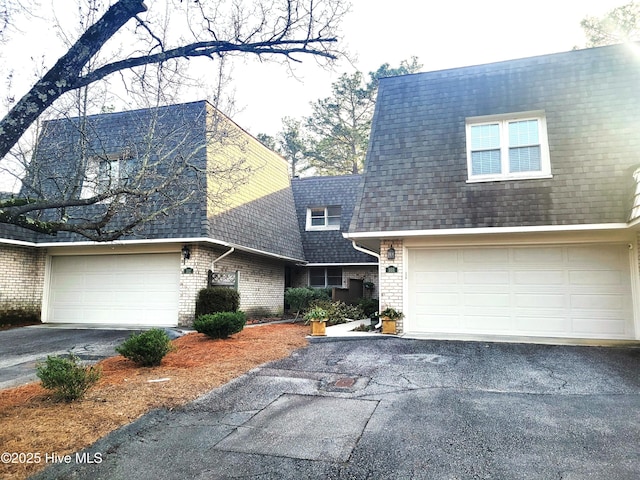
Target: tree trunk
[(63, 76)]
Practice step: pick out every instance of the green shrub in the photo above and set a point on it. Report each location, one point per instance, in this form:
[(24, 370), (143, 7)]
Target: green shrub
[(369, 306), (68, 380), (338, 312), (217, 299), (147, 348), (221, 324), (301, 298)]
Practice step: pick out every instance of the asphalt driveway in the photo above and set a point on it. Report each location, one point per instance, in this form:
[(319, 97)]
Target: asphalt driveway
[(391, 408), (22, 348)]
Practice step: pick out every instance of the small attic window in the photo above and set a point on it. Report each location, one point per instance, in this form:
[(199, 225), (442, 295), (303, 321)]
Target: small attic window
[(104, 172), (323, 218)]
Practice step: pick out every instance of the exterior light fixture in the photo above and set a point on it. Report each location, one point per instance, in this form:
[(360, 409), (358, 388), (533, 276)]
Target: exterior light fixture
[(391, 253), (186, 253)]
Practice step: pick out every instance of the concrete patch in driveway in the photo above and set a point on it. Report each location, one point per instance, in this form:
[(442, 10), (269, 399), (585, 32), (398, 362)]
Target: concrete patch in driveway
[(303, 426)]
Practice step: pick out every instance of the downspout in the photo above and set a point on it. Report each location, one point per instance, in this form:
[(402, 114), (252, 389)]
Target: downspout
[(216, 260), (364, 250)]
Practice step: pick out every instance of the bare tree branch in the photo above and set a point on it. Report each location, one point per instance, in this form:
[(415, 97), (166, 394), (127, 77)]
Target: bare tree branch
[(303, 30)]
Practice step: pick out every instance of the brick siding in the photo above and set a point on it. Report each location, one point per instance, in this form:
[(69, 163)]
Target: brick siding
[(22, 282), (261, 281), (391, 284)]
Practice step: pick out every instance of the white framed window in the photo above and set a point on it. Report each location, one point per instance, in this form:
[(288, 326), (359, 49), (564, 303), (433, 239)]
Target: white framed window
[(106, 172), (323, 277), (324, 218), (507, 147)]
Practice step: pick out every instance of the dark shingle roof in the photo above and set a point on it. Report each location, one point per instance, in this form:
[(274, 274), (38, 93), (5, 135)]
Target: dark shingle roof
[(416, 171), (328, 246), (267, 223), (177, 131)]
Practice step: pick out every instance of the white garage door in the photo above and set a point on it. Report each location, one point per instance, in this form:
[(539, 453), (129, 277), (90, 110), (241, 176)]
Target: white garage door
[(552, 291), (115, 289)]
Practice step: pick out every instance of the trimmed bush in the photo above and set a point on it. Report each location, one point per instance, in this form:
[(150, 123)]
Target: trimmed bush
[(217, 299), (369, 306), (147, 349), (221, 324), (300, 298), (68, 380)]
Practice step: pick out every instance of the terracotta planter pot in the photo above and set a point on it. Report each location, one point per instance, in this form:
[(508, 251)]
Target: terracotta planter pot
[(388, 326), (318, 328)]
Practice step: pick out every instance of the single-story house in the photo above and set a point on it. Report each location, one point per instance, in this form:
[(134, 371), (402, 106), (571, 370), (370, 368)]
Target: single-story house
[(503, 198)]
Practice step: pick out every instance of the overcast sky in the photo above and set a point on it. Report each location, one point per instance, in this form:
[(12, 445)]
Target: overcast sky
[(442, 34)]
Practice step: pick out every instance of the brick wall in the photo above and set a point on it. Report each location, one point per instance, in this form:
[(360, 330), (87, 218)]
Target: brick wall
[(22, 278), (192, 283), (391, 284), (261, 281)]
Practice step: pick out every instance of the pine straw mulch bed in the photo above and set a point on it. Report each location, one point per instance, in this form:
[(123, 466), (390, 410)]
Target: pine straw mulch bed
[(30, 421)]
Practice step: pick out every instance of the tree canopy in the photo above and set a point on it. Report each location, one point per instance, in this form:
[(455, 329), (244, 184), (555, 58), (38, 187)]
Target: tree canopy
[(333, 139), (621, 24)]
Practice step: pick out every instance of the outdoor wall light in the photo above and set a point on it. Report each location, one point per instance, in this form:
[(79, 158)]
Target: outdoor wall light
[(391, 253), (186, 252)]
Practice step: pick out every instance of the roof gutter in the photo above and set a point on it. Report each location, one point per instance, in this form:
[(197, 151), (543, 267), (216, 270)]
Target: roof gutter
[(364, 250), (160, 241), (488, 230)]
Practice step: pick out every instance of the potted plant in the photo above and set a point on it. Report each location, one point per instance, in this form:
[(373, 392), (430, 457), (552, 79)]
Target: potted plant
[(389, 317), (317, 316)]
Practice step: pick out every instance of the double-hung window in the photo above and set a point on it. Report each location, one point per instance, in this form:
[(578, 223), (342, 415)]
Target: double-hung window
[(507, 147), (323, 218)]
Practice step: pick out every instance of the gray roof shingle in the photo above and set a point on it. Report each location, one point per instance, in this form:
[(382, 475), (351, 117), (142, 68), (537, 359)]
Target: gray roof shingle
[(416, 171), (328, 246)]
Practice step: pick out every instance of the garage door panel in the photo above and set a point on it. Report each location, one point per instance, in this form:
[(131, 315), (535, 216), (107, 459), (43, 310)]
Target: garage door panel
[(599, 302), (441, 322), (540, 300), (138, 289), (437, 278), (487, 277), (559, 290), (436, 262), (538, 256), (538, 321), (597, 277), (539, 277), (485, 255), (593, 327), (437, 299), (486, 323), (589, 255), (484, 300)]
